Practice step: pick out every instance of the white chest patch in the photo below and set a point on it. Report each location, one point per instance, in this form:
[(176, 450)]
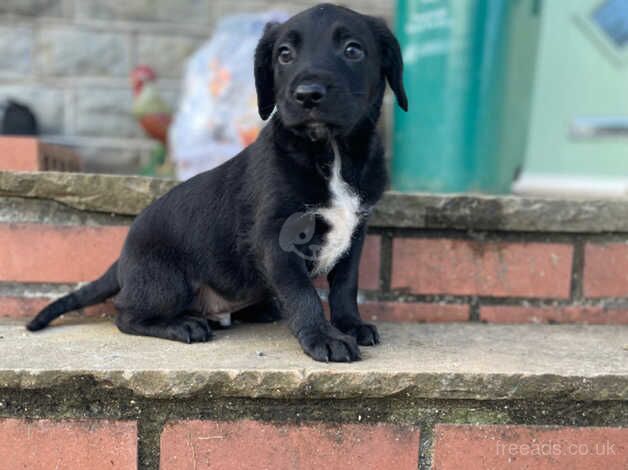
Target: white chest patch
[(342, 215)]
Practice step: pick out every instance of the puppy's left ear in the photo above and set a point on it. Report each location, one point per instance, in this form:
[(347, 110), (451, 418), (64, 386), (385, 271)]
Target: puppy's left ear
[(264, 82), (392, 61)]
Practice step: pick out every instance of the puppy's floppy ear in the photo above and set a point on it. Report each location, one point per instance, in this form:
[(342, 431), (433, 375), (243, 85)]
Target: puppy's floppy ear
[(264, 83), (392, 62)]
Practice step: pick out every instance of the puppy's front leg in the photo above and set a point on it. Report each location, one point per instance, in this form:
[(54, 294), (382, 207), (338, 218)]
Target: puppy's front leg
[(343, 294), (300, 302)]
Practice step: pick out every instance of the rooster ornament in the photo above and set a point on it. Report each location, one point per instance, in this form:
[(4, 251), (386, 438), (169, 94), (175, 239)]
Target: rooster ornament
[(154, 116)]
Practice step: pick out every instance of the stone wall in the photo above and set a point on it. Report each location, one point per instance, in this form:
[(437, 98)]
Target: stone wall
[(70, 60)]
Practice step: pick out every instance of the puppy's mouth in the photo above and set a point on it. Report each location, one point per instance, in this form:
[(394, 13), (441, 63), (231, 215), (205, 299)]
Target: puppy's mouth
[(317, 131), (312, 124)]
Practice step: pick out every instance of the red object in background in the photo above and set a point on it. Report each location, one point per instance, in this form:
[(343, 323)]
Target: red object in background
[(21, 153), (149, 108), (156, 126)]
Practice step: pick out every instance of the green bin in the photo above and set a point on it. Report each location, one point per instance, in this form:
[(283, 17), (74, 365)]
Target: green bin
[(469, 68)]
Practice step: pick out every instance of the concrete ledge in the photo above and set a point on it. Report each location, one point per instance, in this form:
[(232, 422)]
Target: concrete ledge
[(127, 195), (113, 194), (462, 361)]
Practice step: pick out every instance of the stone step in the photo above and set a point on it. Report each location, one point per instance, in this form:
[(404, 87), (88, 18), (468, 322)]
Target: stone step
[(431, 396), (462, 361)]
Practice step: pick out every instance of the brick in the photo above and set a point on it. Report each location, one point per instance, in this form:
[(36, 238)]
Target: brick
[(100, 54), (28, 307), (21, 307), (414, 312), (496, 269), (605, 270), (44, 444), (410, 312), (28, 154), (19, 154), (253, 445), (57, 253), (369, 265), (560, 314), (529, 447)]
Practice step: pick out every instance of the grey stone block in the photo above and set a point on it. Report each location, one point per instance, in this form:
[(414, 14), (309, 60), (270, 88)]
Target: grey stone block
[(184, 11), (382, 8), (105, 113), (109, 194), (127, 160), (64, 51), (46, 103), (126, 195), (180, 11), (15, 210), (166, 54), (32, 7), (16, 50)]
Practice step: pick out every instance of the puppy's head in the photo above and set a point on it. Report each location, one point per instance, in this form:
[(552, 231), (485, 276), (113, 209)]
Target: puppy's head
[(325, 69)]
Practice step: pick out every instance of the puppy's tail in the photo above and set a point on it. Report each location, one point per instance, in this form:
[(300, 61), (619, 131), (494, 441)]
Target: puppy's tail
[(93, 293)]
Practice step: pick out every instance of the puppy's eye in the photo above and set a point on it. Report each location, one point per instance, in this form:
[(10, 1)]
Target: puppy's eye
[(353, 51), (286, 55)]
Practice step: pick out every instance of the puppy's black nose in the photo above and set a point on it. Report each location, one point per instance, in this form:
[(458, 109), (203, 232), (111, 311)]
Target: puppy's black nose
[(310, 94)]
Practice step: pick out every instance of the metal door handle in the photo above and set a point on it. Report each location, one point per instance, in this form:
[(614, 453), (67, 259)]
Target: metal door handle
[(588, 127)]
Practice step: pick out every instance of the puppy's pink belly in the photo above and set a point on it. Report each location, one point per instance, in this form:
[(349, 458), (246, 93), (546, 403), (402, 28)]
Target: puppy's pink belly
[(209, 302)]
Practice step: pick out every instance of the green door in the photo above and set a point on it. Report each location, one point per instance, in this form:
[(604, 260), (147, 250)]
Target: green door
[(578, 139)]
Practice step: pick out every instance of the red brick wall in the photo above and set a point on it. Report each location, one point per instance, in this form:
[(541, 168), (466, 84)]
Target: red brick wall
[(404, 276), (57, 253), (243, 445), (253, 445), (89, 444), (529, 447)]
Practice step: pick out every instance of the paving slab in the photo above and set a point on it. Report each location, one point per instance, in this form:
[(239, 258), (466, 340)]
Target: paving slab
[(452, 361)]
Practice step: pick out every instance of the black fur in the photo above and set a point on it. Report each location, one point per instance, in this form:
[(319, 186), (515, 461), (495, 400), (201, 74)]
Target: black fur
[(222, 228)]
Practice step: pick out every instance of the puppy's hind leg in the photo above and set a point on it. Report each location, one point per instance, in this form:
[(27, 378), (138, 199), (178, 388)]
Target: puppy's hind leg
[(184, 328), (266, 311), (157, 305)]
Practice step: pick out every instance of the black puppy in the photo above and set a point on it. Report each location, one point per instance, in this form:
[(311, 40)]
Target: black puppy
[(253, 232)]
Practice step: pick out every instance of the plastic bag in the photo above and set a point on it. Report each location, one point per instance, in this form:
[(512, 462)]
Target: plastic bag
[(217, 115)]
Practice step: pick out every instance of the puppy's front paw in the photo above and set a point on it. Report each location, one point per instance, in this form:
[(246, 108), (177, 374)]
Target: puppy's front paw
[(365, 334), (329, 344)]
